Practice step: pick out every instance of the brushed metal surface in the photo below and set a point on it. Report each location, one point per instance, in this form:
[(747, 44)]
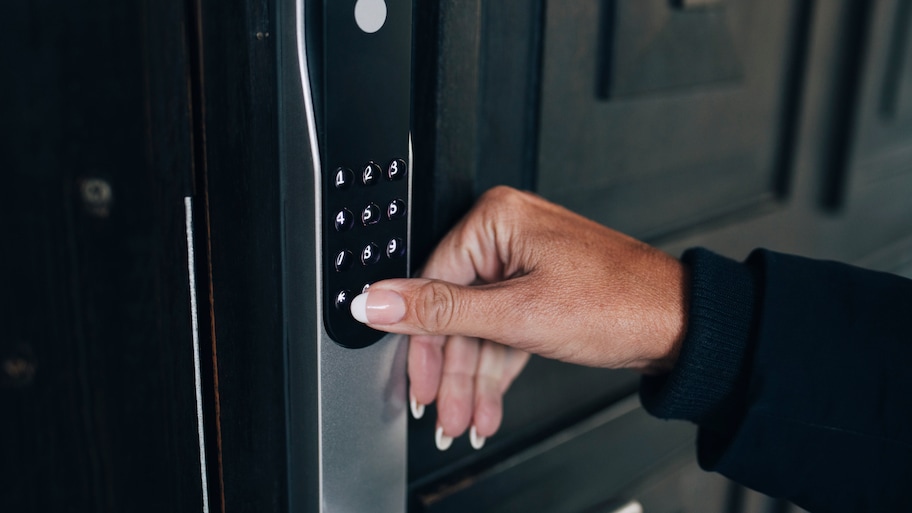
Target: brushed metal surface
[(362, 393)]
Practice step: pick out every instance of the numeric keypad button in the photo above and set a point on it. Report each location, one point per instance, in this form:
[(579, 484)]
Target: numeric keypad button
[(370, 215), (343, 299), (395, 210), (370, 173), (396, 170), (344, 220), (343, 178), (343, 260), (370, 254), (395, 248)]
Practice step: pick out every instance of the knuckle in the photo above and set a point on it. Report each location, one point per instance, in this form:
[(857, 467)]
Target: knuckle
[(503, 195), (435, 310)]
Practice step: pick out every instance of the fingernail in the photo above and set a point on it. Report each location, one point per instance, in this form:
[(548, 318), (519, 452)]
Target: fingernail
[(378, 307), (443, 442), (476, 441), (417, 408)]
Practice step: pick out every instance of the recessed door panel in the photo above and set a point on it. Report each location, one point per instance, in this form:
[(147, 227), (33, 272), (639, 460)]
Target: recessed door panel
[(656, 116)]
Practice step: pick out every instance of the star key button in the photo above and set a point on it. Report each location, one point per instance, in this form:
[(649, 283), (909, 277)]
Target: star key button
[(343, 298)]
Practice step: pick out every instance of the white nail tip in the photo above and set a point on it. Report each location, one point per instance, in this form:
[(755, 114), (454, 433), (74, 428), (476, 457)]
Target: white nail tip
[(443, 442), (359, 308), (417, 409), (476, 441)]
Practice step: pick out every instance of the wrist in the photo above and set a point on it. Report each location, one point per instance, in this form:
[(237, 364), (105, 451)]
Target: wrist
[(675, 285)]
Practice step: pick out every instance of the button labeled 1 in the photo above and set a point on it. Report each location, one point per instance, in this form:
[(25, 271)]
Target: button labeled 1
[(343, 178)]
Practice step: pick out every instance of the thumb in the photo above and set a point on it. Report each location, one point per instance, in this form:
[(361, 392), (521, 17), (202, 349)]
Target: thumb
[(433, 307)]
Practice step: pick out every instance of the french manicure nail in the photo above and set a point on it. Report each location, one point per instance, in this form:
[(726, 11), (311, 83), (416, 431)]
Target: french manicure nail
[(378, 307), (476, 441), (359, 308), (443, 442), (417, 408)]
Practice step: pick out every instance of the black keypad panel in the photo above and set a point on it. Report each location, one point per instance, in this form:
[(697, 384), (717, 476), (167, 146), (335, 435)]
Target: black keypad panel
[(365, 252)]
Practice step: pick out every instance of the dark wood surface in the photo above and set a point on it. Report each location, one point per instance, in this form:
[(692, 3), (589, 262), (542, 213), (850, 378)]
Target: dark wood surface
[(96, 361)]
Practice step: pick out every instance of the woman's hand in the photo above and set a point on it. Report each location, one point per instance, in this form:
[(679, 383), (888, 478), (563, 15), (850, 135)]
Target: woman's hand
[(520, 275)]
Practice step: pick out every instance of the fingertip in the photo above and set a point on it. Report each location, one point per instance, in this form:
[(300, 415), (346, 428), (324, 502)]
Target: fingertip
[(417, 408), (487, 417), (359, 308), (442, 441), (476, 440)]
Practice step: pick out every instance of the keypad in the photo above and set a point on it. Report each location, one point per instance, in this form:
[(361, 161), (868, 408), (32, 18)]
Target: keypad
[(373, 249)]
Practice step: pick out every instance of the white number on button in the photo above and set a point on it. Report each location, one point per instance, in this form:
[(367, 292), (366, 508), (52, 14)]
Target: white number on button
[(368, 175), (340, 218), (393, 209), (367, 254), (392, 247), (340, 178)]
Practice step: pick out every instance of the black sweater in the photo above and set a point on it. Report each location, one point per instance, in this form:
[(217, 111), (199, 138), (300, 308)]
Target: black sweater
[(799, 374)]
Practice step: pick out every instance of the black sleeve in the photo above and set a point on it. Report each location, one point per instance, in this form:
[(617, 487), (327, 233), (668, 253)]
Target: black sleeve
[(799, 374)]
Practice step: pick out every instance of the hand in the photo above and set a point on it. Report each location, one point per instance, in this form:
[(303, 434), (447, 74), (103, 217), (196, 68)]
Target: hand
[(520, 275)]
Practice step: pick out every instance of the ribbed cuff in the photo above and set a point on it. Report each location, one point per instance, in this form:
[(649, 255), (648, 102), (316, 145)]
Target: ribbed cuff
[(709, 375)]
